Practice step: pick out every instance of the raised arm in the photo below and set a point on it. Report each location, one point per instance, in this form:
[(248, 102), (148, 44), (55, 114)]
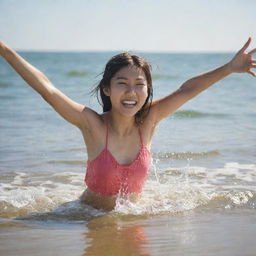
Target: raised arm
[(71, 111), (241, 63)]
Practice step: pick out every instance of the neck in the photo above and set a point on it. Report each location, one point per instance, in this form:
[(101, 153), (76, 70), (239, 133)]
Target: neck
[(121, 125)]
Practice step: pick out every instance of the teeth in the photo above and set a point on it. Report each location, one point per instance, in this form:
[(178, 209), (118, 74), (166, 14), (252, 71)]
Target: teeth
[(129, 102)]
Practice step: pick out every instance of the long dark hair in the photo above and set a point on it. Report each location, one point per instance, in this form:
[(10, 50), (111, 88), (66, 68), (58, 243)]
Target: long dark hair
[(112, 67)]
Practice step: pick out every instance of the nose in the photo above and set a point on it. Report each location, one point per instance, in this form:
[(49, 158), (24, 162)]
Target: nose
[(130, 89)]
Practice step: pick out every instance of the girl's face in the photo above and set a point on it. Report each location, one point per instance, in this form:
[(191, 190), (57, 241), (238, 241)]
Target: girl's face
[(128, 90)]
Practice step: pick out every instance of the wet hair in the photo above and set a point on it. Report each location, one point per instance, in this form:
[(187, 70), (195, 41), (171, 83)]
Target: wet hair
[(116, 63)]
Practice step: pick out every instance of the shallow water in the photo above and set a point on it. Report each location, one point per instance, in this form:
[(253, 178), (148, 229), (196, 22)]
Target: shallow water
[(196, 232), (199, 198)]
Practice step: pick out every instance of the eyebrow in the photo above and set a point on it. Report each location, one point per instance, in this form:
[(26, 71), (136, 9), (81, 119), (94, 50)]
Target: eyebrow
[(121, 77)]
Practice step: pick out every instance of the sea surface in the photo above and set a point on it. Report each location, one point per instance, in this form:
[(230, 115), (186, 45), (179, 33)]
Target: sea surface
[(199, 198)]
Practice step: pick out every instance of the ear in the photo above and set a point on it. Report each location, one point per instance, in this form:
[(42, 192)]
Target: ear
[(106, 91)]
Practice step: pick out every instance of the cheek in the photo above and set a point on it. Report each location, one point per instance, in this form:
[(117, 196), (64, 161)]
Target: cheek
[(115, 94), (144, 93)]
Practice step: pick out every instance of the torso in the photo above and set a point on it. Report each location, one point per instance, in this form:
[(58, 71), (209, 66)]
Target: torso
[(95, 140), (106, 203)]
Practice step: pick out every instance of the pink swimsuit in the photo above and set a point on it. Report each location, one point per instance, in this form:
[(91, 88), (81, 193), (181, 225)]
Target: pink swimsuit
[(105, 176)]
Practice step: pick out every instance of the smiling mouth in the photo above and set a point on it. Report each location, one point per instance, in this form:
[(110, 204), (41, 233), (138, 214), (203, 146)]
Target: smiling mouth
[(129, 103)]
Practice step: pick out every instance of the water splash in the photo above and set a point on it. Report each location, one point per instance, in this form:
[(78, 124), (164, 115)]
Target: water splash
[(171, 190)]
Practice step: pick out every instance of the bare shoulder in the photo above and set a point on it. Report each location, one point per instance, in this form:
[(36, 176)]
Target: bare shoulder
[(94, 132), (93, 121), (165, 106)]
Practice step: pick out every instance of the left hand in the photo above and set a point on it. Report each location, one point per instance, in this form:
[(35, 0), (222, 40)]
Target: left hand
[(242, 61)]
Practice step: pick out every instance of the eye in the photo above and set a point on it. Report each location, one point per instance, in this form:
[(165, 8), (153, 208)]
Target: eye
[(140, 85)]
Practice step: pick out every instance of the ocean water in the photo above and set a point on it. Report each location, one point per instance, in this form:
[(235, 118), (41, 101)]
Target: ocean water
[(200, 196)]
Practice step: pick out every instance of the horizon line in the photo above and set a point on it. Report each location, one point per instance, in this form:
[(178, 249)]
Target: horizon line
[(105, 51)]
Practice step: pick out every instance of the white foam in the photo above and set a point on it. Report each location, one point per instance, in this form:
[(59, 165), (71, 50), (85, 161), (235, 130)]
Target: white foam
[(181, 189), (166, 191), (34, 193)]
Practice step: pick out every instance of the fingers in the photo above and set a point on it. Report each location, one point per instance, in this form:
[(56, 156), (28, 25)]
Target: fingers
[(246, 45), (252, 51), (252, 73), (252, 64)]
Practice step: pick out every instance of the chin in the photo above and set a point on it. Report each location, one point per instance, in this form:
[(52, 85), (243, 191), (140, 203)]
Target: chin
[(131, 113)]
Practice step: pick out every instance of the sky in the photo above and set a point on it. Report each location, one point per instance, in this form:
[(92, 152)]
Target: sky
[(136, 25)]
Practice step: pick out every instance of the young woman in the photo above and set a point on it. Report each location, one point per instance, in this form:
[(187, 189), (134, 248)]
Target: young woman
[(118, 140)]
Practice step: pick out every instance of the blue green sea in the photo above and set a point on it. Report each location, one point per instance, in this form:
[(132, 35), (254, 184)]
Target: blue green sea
[(200, 196)]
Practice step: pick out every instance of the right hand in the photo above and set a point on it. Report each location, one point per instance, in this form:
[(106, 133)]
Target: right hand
[(242, 61)]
